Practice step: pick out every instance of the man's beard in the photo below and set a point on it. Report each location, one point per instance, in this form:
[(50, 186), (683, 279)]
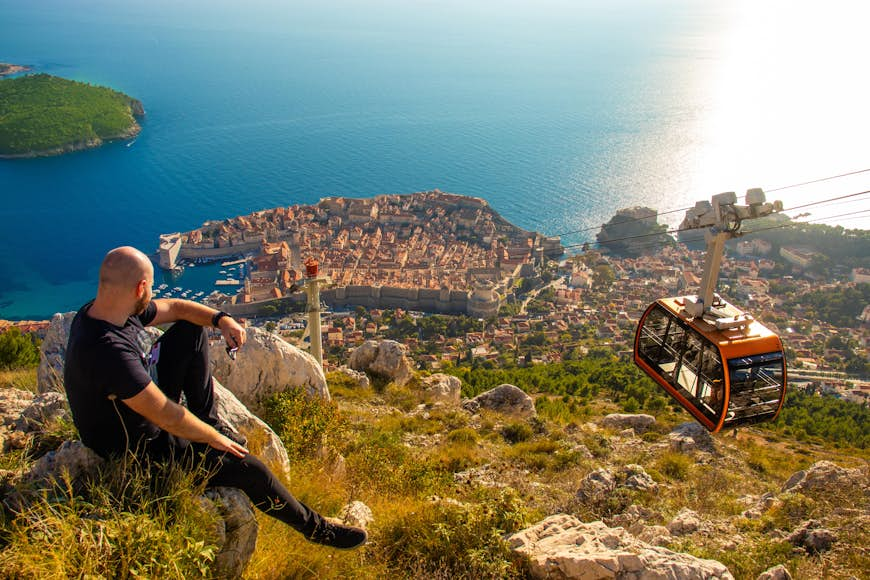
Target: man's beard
[(141, 305)]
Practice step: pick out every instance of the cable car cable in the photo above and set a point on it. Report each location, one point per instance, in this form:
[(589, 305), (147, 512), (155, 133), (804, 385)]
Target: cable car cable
[(817, 180), (829, 178)]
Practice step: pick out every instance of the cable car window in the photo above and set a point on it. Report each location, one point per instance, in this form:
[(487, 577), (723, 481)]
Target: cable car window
[(756, 387), (682, 357)]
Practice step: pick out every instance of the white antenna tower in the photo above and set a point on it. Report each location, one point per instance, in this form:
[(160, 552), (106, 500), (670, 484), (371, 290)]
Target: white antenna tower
[(313, 283)]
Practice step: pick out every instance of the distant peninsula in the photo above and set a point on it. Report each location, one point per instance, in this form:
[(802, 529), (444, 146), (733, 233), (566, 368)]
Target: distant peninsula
[(7, 69), (43, 115)]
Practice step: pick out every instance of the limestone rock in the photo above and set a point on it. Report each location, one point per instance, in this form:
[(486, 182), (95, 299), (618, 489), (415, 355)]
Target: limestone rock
[(72, 457), (236, 529), (822, 476), (506, 399), (637, 478), (262, 440), (562, 546), (634, 518), (812, 538), (49, 375), (385, 359), (441, 387), (691, 437), (41, 411), (639, 423), (685, 522), (596, 485), (655, 535), (776, 573), (357, 514), (267, 365), (360, 378), (13, 402)]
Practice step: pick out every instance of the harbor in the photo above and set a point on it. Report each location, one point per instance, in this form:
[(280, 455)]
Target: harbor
[(199, 279)]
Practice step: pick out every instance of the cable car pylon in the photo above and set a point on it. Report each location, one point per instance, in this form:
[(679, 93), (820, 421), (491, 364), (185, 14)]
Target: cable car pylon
[(724, 367)]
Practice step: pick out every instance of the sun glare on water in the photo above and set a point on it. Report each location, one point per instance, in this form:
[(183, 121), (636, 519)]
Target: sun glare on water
[(788, 103)]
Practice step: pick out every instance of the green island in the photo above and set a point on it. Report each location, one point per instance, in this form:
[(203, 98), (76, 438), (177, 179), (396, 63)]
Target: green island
[(42, 115)]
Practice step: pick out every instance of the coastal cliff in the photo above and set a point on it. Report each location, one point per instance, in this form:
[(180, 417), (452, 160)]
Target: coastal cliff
[(42, 115)]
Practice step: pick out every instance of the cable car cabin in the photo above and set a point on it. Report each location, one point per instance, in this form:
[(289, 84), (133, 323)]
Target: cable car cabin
[(725, 377)]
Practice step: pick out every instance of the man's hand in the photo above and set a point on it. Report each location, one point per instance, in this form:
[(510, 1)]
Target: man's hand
[(224, 443), (234, 333)]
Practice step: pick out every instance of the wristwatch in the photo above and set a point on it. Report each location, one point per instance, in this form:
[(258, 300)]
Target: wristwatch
[(217, 317)]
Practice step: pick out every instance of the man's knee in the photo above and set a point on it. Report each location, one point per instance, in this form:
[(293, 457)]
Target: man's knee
[(182, 332)]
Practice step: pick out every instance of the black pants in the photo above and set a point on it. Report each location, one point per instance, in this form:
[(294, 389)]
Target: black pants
[(183, 368)]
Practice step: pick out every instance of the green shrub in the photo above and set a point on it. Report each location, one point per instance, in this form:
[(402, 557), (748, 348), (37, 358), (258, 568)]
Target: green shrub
[(674, 465), (462, 436), (303, 422), (18, 351), (451, 540), (517, 432)]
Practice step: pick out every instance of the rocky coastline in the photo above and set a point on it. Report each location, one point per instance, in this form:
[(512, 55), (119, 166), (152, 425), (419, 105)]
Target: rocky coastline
[(7, 69), (84, 145)]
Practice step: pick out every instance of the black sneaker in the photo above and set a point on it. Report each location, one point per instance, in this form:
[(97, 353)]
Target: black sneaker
[(334, 534)]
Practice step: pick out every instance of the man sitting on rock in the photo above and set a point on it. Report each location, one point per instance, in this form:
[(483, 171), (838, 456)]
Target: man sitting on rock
[(112, 375)]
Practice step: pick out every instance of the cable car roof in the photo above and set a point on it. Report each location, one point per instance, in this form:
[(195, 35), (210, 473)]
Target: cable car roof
[(753, 338)]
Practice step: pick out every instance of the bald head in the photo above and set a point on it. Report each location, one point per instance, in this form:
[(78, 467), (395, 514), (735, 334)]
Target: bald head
[(124, 268)]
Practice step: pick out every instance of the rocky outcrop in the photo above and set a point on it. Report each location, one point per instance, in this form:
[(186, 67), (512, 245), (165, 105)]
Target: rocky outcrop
[(267, 365), (686, 522), (776, 573), (360, 378), (821, 476), (505, 399), (639, 423), (262, 440), (812, 537), (598, 484), (562, 546), (441, 387), (357, 514), (236, 530), (72, 458), (385, 359), (49, 375), (688, 437)]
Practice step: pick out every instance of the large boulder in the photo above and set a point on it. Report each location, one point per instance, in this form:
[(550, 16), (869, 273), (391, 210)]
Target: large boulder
[(236, 530), (506, 399), (640, 423), (262, 440), (822, 476), (267, 365), (441, 387), (385, 359), (687, 437), (49, 375), (562, 546)]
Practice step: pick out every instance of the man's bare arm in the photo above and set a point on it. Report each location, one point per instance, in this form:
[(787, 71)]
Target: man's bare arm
[(170, 310), (153, 404)]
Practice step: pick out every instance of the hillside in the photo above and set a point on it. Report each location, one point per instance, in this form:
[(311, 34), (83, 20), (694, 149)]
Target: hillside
[(447, 479), (44, 115)]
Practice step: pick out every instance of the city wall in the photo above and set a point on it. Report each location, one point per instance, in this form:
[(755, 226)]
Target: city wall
[(422, 299)]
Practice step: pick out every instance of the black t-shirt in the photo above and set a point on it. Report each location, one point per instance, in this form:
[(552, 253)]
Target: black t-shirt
[(105, 363)]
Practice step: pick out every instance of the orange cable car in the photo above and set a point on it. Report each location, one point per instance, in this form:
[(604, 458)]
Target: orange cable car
[(724, 378), (725, 368)]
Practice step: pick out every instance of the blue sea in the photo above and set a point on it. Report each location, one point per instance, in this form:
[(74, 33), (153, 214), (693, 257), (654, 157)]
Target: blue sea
[(558, 112)]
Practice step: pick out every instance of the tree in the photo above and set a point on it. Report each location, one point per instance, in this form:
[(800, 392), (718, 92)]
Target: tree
[(18, 350)]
